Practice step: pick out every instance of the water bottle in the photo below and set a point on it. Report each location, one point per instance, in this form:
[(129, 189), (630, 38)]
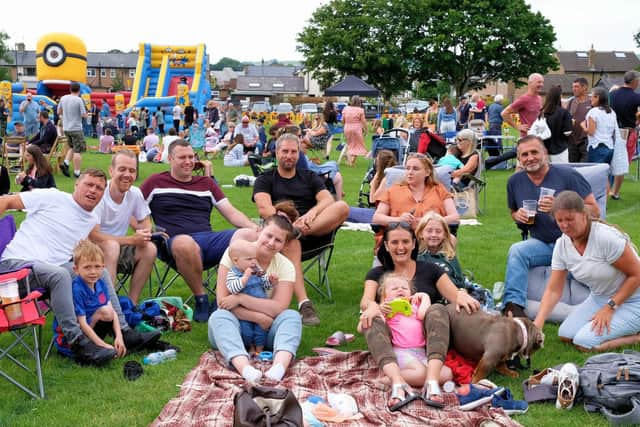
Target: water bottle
[(159, 357)]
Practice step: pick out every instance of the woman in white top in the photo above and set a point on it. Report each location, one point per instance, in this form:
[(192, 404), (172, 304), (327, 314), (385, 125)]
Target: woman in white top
[(600, 126), (234, 156), (601, 257)]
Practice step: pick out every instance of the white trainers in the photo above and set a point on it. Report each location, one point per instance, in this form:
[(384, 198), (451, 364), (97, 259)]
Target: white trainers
[(568, 383)]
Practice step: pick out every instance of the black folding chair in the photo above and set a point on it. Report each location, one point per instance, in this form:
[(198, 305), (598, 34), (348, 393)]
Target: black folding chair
[(318, 260)]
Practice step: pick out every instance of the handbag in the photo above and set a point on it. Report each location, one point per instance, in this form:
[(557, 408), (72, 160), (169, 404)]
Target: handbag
[(260, 406), (466, 203), (540, 128)]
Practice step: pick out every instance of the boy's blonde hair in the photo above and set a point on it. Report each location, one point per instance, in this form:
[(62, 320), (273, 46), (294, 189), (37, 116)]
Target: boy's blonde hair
[(240, 246), (386, 278), (86, 250)]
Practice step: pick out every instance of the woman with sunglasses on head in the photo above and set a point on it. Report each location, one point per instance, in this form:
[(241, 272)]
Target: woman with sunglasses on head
[(470, 158), (398, 255), (418, 194)]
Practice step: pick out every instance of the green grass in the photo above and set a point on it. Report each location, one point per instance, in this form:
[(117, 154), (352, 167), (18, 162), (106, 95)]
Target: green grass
[(88, 396)]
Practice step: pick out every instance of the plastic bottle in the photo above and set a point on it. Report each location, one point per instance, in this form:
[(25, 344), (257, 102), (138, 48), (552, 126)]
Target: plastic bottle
[(159, 357)]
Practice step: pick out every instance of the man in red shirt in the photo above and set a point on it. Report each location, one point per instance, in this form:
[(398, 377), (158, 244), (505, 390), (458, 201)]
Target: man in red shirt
[(527, 106)]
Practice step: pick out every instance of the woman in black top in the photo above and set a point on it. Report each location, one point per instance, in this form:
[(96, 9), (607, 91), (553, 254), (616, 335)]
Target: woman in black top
[(38, 173), (398, 254), (559, 122)]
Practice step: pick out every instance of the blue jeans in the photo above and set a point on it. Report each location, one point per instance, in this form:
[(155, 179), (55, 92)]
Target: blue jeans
[(625, 321), (523, 256), (224, 333), (600, 154), (251, 332)]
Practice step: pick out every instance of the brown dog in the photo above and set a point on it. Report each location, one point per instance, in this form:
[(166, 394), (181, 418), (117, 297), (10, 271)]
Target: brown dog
[(492, 340)]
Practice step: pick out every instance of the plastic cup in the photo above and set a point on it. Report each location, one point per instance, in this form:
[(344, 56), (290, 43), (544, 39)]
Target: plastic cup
[(530, 206), (9, 293), (546, 192)]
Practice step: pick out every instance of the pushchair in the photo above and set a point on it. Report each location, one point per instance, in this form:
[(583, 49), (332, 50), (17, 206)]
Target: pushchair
[(390, 140), (426, 142)]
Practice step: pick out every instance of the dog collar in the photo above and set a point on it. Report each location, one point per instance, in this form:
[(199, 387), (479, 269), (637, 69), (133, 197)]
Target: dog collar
[(525, 336)]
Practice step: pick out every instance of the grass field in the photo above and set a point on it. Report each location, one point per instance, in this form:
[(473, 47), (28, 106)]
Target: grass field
[(89, 396)]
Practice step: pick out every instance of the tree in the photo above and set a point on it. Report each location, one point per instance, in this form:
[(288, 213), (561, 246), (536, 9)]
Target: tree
[(636, 37), (228, 62), (117, 84), (359, 37), (5, 74), (391, 43), (469, 43)]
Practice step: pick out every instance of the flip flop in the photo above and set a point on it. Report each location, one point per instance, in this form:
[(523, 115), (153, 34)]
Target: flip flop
[(409, 396), (339, 338), (326, 351)]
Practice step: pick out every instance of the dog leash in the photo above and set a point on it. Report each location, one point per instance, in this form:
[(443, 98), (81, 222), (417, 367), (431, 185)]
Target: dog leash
[(525, 336)]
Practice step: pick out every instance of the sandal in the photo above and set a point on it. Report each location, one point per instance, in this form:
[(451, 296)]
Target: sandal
[(339, 338), (431, 390), (409, 396)]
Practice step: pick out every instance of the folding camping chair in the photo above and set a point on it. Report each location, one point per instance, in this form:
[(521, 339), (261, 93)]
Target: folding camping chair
[(167, 273), (319, 258), (23, 320), (13, 153)]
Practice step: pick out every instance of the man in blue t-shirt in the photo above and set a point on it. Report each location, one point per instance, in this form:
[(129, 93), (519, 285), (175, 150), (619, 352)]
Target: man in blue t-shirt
[(543, 232)]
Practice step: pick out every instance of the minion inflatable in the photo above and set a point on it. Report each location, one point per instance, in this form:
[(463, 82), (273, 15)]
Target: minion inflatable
[(60, 59)]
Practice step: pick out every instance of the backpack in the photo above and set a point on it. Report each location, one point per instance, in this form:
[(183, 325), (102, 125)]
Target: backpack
[(610, 384)]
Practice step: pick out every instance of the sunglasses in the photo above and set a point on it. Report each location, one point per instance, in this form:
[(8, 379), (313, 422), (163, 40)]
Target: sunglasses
[(401, 224)]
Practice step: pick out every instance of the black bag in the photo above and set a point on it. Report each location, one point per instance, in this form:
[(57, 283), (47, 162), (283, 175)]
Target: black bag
[(266, 407), (610, 384)]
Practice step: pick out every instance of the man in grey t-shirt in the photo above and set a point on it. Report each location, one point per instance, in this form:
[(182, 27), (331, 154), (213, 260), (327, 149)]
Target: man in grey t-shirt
[(72, 110)]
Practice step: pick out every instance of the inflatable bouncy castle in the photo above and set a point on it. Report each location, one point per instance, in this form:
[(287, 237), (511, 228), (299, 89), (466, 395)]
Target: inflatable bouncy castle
[(170, 75)]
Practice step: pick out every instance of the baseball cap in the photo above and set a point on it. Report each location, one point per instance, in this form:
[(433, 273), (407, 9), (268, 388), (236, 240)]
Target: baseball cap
[(630, 76)]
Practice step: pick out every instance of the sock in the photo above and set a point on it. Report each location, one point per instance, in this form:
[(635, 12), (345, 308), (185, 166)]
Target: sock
[(76, 172), (275, 373), (66, 162), (201, 298), (251, 374), (302, 302)]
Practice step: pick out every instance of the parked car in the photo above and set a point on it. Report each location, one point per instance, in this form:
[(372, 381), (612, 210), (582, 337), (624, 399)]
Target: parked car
[(417, 104), (308, 108), (261, 107), (370, 110), (284, 107)]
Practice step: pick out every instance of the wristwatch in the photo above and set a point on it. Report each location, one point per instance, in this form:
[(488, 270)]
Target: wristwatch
[(611, 303)]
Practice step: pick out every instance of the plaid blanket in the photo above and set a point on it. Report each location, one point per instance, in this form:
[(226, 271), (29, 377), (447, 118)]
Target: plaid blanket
[(207, 394)]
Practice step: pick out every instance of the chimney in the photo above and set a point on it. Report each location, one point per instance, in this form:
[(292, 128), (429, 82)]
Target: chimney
[(591, 64), (20, 47)]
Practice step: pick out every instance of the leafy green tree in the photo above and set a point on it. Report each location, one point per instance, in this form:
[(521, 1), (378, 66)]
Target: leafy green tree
[(359, 37), (117, 84), (390, 43), (469, 43), (636, 37), (5, 74), (228, 62)]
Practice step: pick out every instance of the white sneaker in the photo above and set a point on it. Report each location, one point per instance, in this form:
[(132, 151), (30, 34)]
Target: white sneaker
[(568, 383)]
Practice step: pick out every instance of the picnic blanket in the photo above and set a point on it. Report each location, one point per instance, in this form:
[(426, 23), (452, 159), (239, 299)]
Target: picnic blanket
[(206, 396)]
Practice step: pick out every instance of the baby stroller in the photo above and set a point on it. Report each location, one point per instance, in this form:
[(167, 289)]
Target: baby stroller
[(390, 140), (426, 142)]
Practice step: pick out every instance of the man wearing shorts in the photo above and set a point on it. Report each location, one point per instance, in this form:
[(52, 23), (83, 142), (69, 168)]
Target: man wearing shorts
[(319, 213), (121, 204), (182, 204), (55, 223), (72, 110)]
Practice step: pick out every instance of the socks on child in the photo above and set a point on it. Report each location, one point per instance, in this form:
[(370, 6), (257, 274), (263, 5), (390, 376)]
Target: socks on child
[(302, 302), (251, 374), (275, 373)]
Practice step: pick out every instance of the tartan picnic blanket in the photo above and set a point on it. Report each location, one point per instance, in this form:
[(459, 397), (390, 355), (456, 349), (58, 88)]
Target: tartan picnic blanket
[(206, 396)]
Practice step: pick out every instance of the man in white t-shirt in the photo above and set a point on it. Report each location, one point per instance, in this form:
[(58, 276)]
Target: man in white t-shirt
[(122, 203), (177, 115), (249, 132), (55, 223)]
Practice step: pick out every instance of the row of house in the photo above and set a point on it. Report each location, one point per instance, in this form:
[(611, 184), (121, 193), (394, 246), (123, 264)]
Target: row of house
[(116, 71)]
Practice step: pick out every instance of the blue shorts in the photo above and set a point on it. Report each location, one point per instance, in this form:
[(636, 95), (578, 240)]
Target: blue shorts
[(212, 246)]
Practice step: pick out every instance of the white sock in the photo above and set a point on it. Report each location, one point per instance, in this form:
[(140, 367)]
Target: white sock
[(251, 374), (275, 373), (76, 172), (302, 302), (66, 162)]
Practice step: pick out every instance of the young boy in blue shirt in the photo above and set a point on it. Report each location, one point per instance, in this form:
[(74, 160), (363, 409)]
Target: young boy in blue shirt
[(96, 315)]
